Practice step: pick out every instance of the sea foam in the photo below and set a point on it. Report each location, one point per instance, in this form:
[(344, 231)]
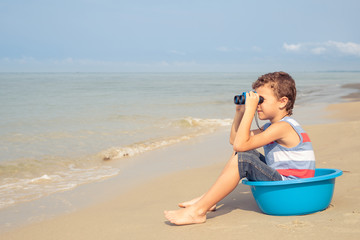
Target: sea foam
[(199, 127)]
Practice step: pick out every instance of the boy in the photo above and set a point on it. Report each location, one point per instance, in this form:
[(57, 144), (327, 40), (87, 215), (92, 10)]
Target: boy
[(288, 150)]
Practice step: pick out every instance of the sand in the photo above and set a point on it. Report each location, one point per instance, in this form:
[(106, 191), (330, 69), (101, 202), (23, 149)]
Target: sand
[(138, 212)]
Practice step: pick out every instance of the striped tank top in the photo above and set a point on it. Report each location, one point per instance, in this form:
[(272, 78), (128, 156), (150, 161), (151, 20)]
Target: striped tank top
[(295, 162)]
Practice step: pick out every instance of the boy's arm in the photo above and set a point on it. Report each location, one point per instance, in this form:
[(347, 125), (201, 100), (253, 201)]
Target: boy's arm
[(240, 109), (275, 132), (243, 133), (246, 140)]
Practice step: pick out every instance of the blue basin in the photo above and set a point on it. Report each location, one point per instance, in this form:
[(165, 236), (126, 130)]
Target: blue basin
[(295, 197)]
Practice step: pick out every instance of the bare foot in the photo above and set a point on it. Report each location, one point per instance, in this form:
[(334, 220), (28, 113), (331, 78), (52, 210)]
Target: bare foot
[(185, 216), (193, 201)]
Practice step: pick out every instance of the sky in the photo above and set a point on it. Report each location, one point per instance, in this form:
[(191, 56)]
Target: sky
[(179, 35)]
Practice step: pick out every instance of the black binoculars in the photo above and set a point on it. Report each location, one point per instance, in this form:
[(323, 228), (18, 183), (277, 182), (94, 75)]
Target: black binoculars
[(240, 99)]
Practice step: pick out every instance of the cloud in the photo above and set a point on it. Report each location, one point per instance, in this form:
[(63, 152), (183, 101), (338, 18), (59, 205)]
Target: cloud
[(329, 47), (346, 48), (318, 50), (292, 47)]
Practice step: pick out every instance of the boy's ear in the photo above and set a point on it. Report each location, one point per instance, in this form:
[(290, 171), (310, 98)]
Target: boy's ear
[(283, 101)]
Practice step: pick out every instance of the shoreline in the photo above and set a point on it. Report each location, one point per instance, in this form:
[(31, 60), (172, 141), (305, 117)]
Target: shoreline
[(137, 211)]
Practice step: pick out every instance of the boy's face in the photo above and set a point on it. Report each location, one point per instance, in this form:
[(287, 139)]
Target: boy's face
[(270, 108)]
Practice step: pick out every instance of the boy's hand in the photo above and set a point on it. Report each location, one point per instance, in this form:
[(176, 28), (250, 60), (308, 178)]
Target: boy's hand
[(240, 108), (252, 100)]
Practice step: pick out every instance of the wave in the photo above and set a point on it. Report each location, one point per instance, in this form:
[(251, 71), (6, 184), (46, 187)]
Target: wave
[(198, 125), (20, 189), (198, 122)]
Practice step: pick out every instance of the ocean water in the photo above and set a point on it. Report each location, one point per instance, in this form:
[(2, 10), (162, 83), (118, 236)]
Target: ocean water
[(59, 130)]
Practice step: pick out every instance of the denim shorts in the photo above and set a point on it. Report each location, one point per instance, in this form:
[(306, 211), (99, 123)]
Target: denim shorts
[(252, 165)]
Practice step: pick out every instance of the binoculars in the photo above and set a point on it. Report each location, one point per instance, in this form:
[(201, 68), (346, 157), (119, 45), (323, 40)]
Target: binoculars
[(240, 99)]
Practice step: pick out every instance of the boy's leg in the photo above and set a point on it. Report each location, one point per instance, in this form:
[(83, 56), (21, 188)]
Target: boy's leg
[(252, 165), (193, 201), (196, 213)]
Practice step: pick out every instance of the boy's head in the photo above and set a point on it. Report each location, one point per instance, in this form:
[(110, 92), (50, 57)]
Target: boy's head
[(282, 84)]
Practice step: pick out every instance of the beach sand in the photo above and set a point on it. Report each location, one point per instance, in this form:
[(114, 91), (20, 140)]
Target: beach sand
[(138, 212)]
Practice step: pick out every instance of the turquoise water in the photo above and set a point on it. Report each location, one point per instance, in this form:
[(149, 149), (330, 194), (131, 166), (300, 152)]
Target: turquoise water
[(57, 130)]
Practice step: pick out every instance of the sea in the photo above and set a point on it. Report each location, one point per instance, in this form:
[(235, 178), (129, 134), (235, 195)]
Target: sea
[(60, 130)]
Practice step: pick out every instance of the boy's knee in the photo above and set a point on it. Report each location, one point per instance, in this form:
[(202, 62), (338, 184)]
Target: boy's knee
[(247, 156)]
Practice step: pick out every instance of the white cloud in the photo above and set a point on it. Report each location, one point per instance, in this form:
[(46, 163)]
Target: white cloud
[(292, 47), (329, 47), (318, 50), (346, 48)]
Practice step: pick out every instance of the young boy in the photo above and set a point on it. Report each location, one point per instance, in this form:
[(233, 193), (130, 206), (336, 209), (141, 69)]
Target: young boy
[(288, 150)]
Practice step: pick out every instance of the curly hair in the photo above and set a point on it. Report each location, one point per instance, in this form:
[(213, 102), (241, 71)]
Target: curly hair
[(282, 84)]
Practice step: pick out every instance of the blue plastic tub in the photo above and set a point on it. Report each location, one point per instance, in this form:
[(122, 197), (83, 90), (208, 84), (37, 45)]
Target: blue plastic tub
[(295, 197)]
